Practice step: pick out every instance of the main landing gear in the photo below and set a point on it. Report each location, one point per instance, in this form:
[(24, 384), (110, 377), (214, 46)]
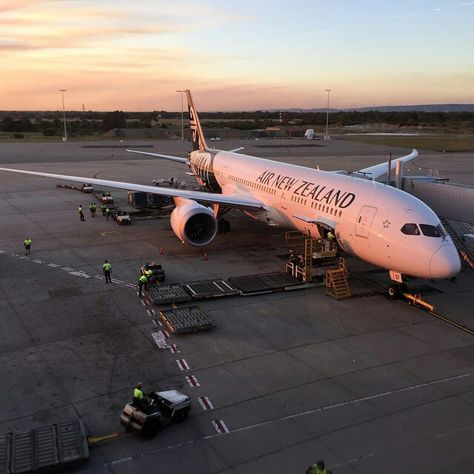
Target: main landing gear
[(223, 225)]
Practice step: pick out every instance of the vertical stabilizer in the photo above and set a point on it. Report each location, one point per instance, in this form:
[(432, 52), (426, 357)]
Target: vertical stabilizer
[(199, 143)]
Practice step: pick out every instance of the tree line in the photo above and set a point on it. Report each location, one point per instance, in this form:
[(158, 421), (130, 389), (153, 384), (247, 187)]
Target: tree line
[(96, 123)]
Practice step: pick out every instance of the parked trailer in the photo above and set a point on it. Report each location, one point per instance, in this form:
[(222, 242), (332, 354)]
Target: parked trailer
[(44, 449)]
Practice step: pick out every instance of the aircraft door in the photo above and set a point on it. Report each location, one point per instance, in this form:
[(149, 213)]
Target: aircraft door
[(364, 221), (284, 200)]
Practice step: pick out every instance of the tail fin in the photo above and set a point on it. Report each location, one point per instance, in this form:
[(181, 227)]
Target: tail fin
[(199, 143)]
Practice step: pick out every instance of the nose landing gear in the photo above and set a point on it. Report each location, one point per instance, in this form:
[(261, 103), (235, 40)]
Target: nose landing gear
[(398, 285), (396, 290)]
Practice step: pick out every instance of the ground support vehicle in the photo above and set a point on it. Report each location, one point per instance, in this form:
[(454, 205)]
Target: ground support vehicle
[(122, 218), (106, 198), (148, 416), (87, 188)]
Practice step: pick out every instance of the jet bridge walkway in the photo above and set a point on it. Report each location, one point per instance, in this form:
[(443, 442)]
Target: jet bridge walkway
[(455, 229)]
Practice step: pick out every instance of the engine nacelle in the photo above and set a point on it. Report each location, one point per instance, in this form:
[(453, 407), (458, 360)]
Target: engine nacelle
[(193, 223)]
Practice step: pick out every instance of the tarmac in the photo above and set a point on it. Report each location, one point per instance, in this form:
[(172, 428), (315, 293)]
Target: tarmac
[(368, 384)]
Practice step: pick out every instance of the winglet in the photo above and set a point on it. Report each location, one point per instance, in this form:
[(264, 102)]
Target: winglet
[(373, 172), (199, 143)]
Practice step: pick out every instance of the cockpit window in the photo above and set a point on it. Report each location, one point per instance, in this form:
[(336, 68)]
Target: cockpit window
[(410, 229), (442, 230), (430, 230)]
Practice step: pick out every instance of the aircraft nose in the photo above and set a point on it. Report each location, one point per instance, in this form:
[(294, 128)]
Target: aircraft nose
[(445, 262)]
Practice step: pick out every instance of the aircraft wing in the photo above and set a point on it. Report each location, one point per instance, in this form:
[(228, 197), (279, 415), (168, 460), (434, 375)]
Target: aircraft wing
[(178, 159), (373, 172), (235, 201)]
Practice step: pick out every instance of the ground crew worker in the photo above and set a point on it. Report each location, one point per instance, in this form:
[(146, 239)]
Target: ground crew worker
[(318, 468), (107, 267), (92, 208), (141, 283), (330, 241), (27, 243), (148, 272), (102, 208), (107, 213), (138, 395), (81, 213)]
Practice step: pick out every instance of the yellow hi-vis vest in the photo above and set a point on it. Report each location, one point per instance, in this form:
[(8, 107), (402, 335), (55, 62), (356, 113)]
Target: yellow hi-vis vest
[(137, 393), (143, 279), (107, 266)]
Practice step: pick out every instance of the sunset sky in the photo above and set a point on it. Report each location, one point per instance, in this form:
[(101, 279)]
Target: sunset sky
[(234, 55)]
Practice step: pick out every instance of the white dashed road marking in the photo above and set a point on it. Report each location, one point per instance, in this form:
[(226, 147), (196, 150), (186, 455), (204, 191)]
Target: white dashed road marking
[(117, 461), (220, 426), (192, 381), (205, 403), (80, 274), (182, 364), (174, 349), (71, 271)]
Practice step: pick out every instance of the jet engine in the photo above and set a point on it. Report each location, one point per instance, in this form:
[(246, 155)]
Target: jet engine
[(193, 223)]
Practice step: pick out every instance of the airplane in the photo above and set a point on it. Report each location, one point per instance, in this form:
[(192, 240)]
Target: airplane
[(378, 223)]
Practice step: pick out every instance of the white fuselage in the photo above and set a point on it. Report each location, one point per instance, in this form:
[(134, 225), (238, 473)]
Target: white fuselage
[(367, 216)]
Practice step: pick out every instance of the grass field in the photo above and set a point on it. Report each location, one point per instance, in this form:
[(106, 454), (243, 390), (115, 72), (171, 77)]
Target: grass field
[(422, 142)]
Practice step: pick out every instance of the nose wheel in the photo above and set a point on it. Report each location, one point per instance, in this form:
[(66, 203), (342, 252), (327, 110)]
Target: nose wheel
[(395, 290)]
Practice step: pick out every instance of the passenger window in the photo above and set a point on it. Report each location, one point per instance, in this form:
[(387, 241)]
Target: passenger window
[(430, 230), (410, 229)]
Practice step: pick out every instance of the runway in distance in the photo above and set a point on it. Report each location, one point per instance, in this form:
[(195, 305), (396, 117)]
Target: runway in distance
[(378, 223)]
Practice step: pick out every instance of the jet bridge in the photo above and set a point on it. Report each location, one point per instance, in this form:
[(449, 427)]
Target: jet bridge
[(453, 204), (450, 200)]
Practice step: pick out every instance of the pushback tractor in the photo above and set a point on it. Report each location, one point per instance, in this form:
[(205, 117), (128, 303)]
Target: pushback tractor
[(146, 417)]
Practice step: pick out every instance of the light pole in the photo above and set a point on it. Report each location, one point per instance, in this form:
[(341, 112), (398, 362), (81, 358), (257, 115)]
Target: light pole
[(64, 115), (326, 137), (182, 114)]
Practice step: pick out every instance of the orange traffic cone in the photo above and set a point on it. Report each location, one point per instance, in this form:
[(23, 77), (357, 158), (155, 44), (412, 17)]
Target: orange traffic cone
[(205, 255), (162, 252)]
